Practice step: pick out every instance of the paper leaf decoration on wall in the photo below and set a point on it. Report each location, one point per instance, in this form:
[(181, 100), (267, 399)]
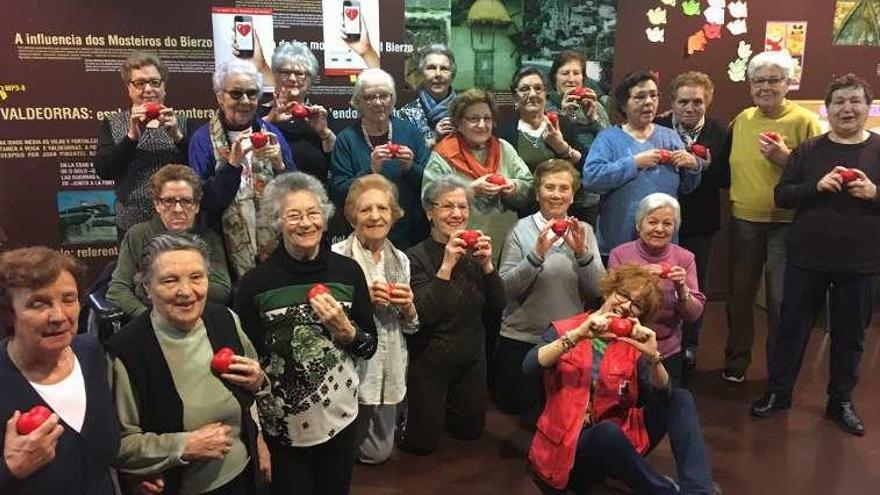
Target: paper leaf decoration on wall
[(712, 31), (670, 3), (717, 3), (714, 15), (696, 42), (736, 70), (744, 50), (690, 7), (655, 34), (738, 9), (737, 27), (656, 16)]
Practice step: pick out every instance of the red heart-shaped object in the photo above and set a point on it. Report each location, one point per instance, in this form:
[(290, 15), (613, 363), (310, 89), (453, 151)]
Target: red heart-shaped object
[(243, 29), (700, 150), (152, 110), (579, 92), (553, 118), (32, 419), (394, 149), (665, 268), (665, 156), (351, 13), (559, 226), (772, 136), (496, 179), (259, 139), (620, 326), (470, 238), (299, 111), (317, 289), (390, 288), (222, 359), (848, 175)]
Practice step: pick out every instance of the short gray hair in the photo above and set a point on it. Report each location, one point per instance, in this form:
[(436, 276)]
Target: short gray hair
[(295, 53), (657, 200), (373, 76), (236, 66), (780, 59), (437, 49), (291, 182), (443, 185), (165, 243)]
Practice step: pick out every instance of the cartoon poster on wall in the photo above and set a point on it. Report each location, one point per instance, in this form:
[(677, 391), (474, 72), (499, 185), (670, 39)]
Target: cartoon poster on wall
[(351, 36), (791, 36), (247, 34)]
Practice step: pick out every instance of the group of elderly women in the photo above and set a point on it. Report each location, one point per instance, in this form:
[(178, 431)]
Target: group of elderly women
[(459, 229)]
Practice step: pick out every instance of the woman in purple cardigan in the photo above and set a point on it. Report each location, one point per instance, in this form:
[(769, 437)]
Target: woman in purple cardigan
[(657, 219)]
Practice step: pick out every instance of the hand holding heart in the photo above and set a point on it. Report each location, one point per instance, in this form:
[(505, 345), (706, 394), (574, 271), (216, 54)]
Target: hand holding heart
[(576, 237), (683, 159), (332, 315), (773, 147), (455, 248), (862, 187), (483, 253), (647, 159), (485, 189), (26, 454), (831, 182), (245, 373)]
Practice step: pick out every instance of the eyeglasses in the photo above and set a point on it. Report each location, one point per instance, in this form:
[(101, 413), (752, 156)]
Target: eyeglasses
[(525, 90), (185, 203), (641, 97), (634, 309), (142, 83), (286, 73), (237, 94), (772, 81), (448, 208), (377, 97), (297, 218), (476, 119)]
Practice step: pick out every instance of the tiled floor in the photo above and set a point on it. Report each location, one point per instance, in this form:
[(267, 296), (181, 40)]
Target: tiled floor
[(797, 452)]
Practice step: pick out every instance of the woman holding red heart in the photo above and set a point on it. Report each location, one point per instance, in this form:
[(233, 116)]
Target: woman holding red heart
[(658, 217), (59, 430), (501, 181), (547, 275), (456, 290), (185, 416), (609, 401)]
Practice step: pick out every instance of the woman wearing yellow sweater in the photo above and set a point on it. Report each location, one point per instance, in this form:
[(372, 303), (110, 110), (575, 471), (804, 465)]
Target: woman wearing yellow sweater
[(761, 139)]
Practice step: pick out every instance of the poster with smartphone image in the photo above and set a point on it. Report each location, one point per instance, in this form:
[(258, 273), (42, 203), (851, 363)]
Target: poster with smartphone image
[(247, 34), (351, 36)]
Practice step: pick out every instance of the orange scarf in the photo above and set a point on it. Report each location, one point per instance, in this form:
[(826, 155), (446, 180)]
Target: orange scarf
[(455, 150)]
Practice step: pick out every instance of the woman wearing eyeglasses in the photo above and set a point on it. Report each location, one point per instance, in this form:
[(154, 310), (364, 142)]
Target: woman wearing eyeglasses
[(176, 191), (134, 143), (309, 136), (237, 154), (379, 143)]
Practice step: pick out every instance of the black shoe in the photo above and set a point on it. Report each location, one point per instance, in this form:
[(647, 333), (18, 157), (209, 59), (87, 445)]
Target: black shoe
[(690, 359), (844, 414), (769, 404)]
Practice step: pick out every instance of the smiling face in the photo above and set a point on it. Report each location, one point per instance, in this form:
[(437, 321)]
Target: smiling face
[(450, 212), (145, 76), (438, 75), (176, 206), (848, 111), (45, 319), (555, 194), (531, 95), (375, 103), (476, 125), (624, 304), (768, 87), (641, 107), (178, 287), (238, 100), (658, 227), (372, 216), (568, 76), (294, 79), (689, 105), (302, 222)]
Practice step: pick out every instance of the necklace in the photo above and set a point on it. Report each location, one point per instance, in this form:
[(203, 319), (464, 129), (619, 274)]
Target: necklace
[(367, 135)]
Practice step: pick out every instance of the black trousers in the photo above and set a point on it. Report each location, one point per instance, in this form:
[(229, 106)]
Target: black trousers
[(803, 297), (701, 246), (454, 395), (323, 469), (513, 391)]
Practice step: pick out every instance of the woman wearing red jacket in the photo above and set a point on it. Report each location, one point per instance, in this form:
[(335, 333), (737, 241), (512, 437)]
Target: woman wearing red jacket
[(609, 401)]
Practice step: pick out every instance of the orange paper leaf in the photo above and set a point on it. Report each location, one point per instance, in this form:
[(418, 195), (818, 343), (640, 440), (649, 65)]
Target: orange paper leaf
[(696, 42)]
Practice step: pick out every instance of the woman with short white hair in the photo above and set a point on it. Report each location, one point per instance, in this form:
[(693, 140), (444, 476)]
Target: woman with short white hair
[(657, 219), (761, 137), (379, 143), (429, 112)]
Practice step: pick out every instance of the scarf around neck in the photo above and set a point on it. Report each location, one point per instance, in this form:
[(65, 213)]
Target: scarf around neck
[(689, 136), (459, 155), (435, 111)]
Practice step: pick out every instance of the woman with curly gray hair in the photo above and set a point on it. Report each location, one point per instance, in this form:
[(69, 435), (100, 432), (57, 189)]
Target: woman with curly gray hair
[(429, 112), (308, 312)]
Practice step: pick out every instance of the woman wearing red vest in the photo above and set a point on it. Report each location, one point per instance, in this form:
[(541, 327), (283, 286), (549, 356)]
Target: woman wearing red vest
[(609, 401)]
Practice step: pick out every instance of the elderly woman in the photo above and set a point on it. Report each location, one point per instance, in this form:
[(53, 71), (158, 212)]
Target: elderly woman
[(632, 160), (548, 273), (456, 286), (176, 191), (379, 143), (134, 143), (45, 364), (575, 96), (309, 136), (308, 311), (761, 137), (657, 219), (185, 413), (235, 166), (429, 113), (474, 154), (832, 246), (691, 94), (371, 207), (598, 423)]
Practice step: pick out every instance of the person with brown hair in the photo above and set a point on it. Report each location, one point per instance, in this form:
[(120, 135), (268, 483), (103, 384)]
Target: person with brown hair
[(176, 191), (44, 363), (134, 143), (608, 398)]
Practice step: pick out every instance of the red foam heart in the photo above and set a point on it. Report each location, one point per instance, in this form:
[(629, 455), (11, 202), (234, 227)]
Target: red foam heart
[(665, 156), (470, 238), (152, 110), (579, 92), (848, 176), (222, 360), (620, 326), (259, 139), (700, 150), (553, 118), (772, 136), (496, 179), (316, 290), (351, 13), (559, 226), (394, 149), (243, 29), (32, 419), (665, 268), (299, 111)]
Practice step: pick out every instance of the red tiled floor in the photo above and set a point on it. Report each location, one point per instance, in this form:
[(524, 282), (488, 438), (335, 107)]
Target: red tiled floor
[(797, 452)]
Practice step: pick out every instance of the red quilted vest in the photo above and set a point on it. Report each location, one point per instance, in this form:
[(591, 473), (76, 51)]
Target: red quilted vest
[(567, 386)]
